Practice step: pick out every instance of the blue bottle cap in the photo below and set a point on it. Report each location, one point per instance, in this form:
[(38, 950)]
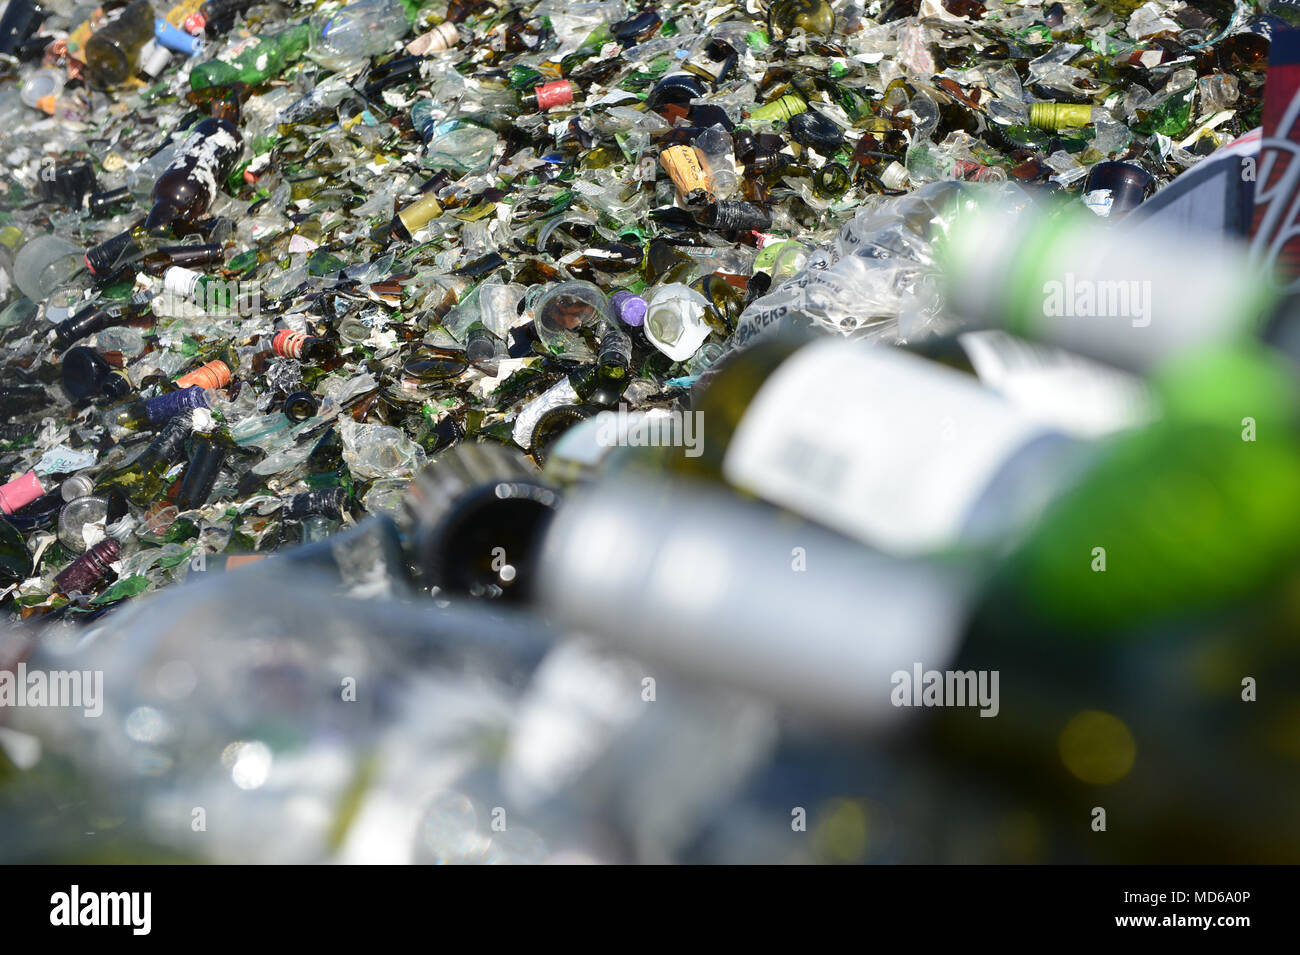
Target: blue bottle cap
[(175, 39), (164, 407)]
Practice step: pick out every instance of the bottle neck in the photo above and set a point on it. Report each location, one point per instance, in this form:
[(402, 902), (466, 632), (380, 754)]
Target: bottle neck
[(162, 214), (169, 446)]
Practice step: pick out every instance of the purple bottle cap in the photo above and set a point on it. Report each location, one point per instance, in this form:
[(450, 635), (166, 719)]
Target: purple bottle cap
[(90, 568), (631, 308), (167, 406)]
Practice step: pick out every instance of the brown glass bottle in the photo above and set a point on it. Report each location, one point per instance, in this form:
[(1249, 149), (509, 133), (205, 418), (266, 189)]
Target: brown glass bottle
[(187, 256), (188, 186)]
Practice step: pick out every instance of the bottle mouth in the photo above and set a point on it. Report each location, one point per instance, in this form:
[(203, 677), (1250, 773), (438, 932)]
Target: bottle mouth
[(41, 84), (480, 351), (84, 372), (466, 554), (111, 66)]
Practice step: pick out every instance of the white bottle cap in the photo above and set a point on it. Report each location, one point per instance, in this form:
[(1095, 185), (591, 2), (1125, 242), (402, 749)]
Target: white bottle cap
[(181, 281), (154, 58), (894, 176)]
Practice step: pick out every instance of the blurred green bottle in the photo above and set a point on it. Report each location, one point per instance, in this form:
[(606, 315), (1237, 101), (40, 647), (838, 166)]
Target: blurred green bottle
[(254, 60)]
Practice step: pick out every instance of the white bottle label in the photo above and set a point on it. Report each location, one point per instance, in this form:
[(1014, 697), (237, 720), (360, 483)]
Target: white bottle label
[(1057, 387), (874, 442)]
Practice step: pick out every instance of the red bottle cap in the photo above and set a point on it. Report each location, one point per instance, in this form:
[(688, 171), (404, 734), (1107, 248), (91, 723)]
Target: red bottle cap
[(555, 93), (288, 344)]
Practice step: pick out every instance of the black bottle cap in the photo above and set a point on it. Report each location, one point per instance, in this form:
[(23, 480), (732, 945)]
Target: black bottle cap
[(170, 443), (733, 215)]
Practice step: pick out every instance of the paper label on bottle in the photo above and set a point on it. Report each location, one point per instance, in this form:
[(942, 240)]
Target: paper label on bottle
[(1057, 387), (232, 53), (1099, 201), (879, 444), (63, 460)]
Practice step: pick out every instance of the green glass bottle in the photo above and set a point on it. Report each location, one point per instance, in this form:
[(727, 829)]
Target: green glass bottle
[(15, 559), (814, 17), (141, 481), (111, 53), (141, 414), (602, 382), (255, 61), (206, 460)]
